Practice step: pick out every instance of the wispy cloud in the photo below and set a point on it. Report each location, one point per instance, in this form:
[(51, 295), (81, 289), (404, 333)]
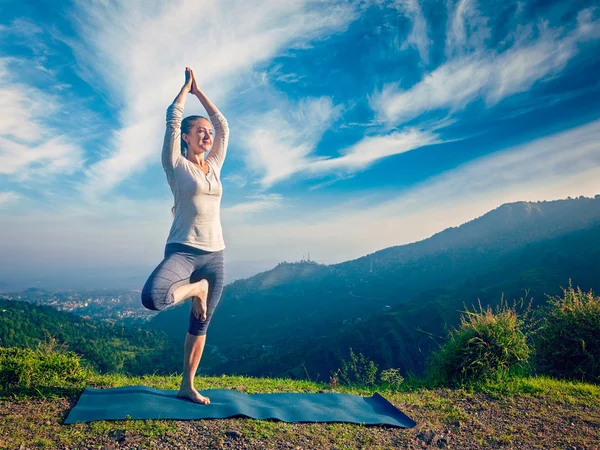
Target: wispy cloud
[(280, 140), (467, 29), (39, 160), (477, 73), (29, 147), (373, 148), (256, 204), (280, 143), (137, 55), (419, 33)]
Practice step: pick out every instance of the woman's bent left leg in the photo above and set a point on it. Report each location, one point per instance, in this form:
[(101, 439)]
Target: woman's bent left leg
[(173, 271)]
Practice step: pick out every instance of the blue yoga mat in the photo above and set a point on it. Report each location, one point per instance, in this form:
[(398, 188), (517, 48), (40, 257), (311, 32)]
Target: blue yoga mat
[(142, 402)]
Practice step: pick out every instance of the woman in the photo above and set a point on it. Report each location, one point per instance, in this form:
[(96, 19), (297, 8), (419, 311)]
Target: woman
[(193, 262)]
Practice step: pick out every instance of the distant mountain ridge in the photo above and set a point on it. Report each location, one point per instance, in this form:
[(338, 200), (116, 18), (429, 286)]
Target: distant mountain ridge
[(293, 303)]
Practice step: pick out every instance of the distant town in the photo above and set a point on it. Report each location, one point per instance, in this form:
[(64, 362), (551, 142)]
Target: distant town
[(110, 305)]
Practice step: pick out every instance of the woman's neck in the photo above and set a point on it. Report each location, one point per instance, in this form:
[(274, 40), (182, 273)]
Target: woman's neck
[(197, 159)]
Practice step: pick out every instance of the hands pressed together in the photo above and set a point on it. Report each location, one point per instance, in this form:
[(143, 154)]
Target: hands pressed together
[(191, 87), (190, 82)]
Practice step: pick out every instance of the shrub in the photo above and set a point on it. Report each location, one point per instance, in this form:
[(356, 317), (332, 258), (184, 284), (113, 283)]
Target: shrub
[(568, 340), (358, 371), (44, 366), (485, 346), (391, 377)]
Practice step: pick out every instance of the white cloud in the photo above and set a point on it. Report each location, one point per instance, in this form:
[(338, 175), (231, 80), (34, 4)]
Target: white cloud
[(467, 29), (138, 55), (28, 146), (482, 73), (280, 140), (6, 197), (419, 33), (373, 148), (42, 160), (259, 203)]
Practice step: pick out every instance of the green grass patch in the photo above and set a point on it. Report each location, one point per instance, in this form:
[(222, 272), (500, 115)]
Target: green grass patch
[(40, 369), (568, 340), (486, 346)]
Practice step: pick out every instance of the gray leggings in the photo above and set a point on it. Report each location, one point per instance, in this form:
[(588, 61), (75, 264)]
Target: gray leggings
[(181, 265)]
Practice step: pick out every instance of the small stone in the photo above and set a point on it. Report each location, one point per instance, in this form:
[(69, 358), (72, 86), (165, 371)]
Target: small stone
[(241, 388), (234, 434), (427, 436), (117, 435)]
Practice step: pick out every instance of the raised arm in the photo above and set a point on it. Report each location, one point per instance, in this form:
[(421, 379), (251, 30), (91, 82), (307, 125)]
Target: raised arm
[(221, 140), (171, 150)]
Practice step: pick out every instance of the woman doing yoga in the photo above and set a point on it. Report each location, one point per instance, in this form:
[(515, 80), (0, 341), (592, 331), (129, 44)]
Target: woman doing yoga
[(193, 260)]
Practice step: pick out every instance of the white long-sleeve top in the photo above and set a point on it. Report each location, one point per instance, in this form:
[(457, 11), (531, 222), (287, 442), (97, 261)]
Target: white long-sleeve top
[(197, 220)]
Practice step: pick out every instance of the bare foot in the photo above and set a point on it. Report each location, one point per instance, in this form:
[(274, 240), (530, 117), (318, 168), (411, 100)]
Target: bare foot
[(193, 395), (199, 302)]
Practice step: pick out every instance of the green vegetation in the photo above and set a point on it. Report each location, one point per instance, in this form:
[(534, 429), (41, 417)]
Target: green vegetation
[(358, 371), (108, 348), (493, 402), (486, 346), (568, 342), (45, 366), (525, 412), (490, 346)]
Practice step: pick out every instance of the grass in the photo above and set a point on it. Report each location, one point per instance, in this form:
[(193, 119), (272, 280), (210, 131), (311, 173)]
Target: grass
[(486, 346), (568, 341), (470, 411)]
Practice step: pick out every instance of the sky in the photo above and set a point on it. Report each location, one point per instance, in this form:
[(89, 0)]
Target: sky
[(354, 125)]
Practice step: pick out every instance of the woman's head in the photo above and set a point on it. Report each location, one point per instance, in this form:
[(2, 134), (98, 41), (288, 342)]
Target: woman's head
[(196, 135)]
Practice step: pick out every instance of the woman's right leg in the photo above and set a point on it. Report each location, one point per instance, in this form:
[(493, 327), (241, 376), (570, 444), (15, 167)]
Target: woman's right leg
[(169, 284)]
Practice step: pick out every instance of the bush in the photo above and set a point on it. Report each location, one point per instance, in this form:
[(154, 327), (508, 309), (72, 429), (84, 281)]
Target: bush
[(44, 366), (391, 377), (568, 340), (486, 346), (358, 371)]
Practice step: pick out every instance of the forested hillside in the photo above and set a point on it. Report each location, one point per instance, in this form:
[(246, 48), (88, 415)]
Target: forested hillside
[(107, 347)]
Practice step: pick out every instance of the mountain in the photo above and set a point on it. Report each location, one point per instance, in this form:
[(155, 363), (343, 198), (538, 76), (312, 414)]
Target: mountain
[(404, 337), (285, 312)]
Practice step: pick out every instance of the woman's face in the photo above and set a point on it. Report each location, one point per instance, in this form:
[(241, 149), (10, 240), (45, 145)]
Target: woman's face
[(200, 137)]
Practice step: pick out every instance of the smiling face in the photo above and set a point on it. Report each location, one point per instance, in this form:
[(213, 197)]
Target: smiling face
[(200, 137)]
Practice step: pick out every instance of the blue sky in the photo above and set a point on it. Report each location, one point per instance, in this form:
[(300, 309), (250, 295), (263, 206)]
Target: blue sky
[(355, 126)]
